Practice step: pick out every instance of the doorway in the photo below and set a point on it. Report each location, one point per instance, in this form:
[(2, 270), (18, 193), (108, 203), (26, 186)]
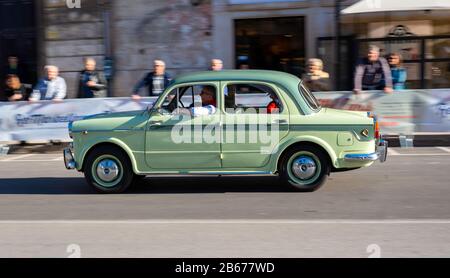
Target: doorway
[(271, 44), (18, 35)]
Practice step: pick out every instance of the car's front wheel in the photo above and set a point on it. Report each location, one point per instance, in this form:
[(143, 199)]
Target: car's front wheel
[(108, 170), (304, 168)]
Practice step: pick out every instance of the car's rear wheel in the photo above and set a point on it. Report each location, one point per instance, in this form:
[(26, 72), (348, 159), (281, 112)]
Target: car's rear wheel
[(304, 168), (108, 170)]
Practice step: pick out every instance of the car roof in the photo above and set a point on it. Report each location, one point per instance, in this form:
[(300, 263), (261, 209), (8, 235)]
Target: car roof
[(238, 75), (285, 80)]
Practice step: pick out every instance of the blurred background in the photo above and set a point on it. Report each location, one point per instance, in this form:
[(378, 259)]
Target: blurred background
[(401, 207), (126, 36)]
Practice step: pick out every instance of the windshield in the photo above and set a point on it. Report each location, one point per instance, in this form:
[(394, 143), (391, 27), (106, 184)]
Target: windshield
[(309, 97)]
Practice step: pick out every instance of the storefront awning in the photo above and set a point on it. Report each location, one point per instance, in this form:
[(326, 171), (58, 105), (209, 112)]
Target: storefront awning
[(373, 6)]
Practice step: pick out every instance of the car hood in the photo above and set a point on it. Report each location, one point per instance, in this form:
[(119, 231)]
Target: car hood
[(110, 121)]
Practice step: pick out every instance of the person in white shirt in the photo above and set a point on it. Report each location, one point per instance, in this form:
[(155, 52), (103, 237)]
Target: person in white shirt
[(209, 104), (52, 87)]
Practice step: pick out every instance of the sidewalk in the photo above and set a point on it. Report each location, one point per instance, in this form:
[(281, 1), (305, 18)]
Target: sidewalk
[(419, 140), (36, 148)]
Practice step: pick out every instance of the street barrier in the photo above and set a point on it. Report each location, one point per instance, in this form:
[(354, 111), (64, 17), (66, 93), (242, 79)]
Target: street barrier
[(401, 113), (48, 121)]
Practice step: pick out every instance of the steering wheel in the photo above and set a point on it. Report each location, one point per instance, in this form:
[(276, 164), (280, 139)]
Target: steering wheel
[(172, 106), (239, 110), (182, 104)]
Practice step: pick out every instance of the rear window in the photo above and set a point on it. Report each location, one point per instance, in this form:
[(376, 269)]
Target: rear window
[(309, 97), (241, 97)]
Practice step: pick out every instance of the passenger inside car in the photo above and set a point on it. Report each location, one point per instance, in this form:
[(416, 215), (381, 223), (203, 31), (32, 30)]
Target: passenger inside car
[(274, 106)]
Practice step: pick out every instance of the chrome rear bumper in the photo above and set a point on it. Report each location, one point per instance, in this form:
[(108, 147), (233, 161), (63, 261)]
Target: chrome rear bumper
[(380, 154), (69, 160)]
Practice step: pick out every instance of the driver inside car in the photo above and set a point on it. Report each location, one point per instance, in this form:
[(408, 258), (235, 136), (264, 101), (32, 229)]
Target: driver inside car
[(208, 104)]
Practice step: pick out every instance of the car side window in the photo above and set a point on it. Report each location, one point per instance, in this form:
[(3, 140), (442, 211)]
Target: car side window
[(194, 99), (249, 97)]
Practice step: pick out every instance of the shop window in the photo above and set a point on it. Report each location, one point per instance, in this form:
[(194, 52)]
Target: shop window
[(271, 44)]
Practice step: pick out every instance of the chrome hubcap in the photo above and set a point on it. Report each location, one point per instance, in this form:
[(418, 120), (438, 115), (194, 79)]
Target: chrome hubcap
[(107, 170), (304, 167)]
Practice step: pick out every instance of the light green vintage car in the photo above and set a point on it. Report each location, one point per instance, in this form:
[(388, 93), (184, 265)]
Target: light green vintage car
[(226, 123)]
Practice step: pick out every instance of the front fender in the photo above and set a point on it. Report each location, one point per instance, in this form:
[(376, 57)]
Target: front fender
[(104, 140), (303, 138)]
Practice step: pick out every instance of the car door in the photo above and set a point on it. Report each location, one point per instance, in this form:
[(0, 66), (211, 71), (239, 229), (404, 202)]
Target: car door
[(250, 133), (177, 140)]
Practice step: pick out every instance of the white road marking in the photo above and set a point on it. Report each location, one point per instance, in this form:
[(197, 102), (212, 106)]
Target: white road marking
[(234, 221), (17, 157), (392, 152), (447, 150)]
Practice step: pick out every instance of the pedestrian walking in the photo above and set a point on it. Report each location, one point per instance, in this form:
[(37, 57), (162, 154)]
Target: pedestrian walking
[(156, 81), (92, 83), (373, 72)]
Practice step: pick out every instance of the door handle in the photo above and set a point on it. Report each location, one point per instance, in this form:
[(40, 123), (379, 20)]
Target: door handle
[(155, 123), (280, 122)]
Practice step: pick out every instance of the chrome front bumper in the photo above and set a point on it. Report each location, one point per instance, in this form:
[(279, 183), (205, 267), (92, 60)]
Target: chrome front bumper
[(380, 154), (69, 160)]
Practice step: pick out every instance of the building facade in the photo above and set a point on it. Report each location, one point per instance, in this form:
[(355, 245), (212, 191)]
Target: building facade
[(126, 36)]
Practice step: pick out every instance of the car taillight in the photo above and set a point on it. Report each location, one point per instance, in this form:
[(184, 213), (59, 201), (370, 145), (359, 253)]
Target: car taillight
[(377, 129), (376, 125)]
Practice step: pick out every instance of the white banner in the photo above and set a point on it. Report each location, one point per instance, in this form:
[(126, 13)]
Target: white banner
[(47, 120), (404, 112)]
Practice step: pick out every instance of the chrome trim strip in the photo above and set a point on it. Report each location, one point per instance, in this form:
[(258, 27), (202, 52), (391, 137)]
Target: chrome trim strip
[(92, 130), (109, 130), (195, 173), (183, 152)]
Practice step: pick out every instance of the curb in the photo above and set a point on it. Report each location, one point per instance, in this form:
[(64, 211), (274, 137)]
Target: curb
[(35, 148), (418, 140)]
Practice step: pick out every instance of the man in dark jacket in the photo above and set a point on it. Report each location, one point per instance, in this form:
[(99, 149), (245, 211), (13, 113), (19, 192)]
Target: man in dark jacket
[(92, 84), (373, 73), (156, 81)]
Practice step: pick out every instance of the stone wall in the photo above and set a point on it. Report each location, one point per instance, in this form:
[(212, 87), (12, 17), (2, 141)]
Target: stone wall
[(69, 35), (176, 31)]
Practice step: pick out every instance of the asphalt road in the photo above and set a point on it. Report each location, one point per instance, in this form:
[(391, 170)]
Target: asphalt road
[(397, 209)]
